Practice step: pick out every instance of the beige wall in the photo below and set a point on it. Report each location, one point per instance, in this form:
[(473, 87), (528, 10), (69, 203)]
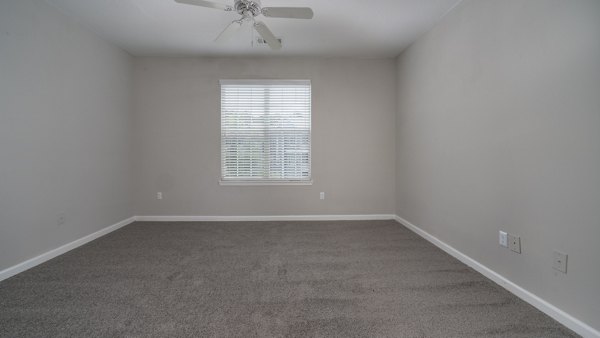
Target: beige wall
[(177, 137), (498, 128), (64, 131)]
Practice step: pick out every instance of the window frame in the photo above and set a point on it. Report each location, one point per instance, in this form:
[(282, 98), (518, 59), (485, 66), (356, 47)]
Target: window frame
[(263, 181)]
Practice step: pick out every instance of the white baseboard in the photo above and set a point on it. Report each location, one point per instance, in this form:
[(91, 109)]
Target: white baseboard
[(562, 317), (30, 263), (264, 218)]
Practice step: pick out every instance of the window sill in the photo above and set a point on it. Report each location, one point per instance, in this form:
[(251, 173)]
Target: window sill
[(264, 183)]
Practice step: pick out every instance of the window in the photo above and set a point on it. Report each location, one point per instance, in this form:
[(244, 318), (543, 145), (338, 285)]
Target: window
[(265, 131)]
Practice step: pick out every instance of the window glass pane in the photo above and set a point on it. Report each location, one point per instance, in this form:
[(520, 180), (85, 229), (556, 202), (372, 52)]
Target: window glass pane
[(265, 130)]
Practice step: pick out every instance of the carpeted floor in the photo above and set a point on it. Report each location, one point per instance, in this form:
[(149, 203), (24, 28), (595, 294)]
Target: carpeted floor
[(263, 279)]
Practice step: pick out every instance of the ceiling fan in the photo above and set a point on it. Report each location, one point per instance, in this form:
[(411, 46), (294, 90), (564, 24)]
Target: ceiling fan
[(249, 10)]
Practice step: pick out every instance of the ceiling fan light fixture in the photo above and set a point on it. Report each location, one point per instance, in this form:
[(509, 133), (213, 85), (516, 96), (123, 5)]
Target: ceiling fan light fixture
[(246, 7)]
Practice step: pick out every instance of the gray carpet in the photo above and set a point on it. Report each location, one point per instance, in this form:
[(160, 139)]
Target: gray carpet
[(263, 279)]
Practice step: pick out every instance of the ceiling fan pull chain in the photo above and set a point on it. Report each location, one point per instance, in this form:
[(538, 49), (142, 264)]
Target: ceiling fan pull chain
[(252, 34)]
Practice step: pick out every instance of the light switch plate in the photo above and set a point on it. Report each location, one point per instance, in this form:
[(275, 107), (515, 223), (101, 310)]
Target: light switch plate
[(560, 261), (514, 243)]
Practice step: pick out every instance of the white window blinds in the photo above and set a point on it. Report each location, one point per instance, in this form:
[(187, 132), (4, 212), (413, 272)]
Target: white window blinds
[(265, 131)]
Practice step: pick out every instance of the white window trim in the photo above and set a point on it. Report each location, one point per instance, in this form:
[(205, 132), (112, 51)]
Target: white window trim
[(265, 82), (262, 182), (267, 182)]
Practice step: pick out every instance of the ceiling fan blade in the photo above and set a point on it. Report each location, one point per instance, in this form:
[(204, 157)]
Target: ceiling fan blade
[(288, 12), (204, 3), (229, 31), (267, 35)]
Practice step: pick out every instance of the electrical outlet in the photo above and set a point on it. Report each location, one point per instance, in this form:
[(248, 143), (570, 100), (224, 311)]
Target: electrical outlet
[(159, 195), (514, 243), (560, 261), (60, 219), (503, 239), (322, 195)]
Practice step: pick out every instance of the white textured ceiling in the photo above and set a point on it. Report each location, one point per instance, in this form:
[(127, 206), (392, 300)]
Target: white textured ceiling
[(352, 28)]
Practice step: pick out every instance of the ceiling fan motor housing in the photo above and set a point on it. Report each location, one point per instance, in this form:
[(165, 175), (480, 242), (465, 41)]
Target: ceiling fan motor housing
[(244, 7)]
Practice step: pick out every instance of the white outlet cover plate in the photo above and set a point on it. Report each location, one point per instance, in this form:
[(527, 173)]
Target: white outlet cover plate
[(514, 243), (61, 219), (503, 239), (560, 261)]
